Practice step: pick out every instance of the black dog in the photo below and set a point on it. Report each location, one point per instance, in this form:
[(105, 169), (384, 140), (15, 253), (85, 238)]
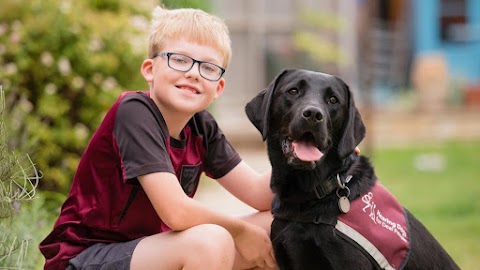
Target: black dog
[(330, 212)]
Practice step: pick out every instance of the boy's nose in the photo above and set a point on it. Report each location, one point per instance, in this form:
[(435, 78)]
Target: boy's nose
[(195, 70)]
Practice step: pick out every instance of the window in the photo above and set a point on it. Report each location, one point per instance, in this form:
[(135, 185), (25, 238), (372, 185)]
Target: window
[(454, 21)]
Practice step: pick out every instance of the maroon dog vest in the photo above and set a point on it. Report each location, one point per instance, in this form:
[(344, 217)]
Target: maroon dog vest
[(377, 223)]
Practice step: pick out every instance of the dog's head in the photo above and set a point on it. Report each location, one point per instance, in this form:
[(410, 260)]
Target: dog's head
[(309, 115)]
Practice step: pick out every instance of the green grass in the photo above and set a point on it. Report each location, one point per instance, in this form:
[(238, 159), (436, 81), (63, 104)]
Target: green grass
[(31, 225), (446, 199)]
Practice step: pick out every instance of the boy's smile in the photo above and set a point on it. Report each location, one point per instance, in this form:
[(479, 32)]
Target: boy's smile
[(189, 89)]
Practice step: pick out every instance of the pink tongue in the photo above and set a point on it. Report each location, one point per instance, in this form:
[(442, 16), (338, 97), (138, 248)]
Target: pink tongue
[(306, 151)]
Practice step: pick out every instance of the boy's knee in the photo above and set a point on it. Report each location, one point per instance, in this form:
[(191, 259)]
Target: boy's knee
[(214, 246), (208, 246), (213, 238)]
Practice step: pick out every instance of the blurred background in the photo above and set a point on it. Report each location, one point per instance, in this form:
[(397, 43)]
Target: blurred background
[(413, 66), (400, 58)]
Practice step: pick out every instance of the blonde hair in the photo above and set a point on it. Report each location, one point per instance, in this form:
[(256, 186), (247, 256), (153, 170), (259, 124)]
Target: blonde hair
[(193, 24)]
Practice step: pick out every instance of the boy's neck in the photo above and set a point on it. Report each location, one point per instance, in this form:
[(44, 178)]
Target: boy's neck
[(175, 120), (176, 123)]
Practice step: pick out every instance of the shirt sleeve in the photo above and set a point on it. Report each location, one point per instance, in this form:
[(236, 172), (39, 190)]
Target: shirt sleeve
[(141, 132), (221, 157)]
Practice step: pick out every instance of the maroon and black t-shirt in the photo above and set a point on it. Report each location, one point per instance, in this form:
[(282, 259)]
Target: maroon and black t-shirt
[(106, 203)]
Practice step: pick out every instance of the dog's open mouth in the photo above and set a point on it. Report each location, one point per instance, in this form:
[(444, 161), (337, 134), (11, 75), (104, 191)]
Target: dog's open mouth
[(303, 149)]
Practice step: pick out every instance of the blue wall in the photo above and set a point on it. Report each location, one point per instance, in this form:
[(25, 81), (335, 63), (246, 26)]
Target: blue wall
[(463, 58)]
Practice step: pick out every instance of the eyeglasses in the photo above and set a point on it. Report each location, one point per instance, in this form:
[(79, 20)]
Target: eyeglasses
[(184, 63)]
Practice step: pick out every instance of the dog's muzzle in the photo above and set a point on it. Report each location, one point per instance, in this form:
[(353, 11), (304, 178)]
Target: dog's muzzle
[(302, 153)]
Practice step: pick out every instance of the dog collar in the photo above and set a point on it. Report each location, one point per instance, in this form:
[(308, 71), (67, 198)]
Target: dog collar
[(322, 190), (342, 191), (333, 184)]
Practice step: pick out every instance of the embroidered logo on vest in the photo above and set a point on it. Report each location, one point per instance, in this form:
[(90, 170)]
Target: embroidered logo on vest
[(376, 221)]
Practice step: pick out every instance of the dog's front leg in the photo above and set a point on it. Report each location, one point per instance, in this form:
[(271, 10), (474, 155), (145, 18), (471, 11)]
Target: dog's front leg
[(281, 255)]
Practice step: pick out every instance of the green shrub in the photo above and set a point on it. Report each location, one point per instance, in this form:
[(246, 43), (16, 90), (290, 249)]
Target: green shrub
[(63, 63)]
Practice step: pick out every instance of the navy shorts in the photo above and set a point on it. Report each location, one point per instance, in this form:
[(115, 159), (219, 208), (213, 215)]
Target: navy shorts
[(101, 256)]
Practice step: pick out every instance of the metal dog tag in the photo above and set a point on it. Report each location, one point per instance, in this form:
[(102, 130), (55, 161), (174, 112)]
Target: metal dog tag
[(344, 204)]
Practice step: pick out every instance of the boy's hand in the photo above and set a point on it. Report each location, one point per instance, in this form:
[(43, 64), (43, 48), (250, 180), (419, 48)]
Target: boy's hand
[(255, 247)]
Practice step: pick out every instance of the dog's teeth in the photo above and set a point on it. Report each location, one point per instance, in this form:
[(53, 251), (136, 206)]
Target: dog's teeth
[(286, 147)]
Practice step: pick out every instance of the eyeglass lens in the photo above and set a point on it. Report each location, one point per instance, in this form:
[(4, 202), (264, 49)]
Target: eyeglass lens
[(184, 63)]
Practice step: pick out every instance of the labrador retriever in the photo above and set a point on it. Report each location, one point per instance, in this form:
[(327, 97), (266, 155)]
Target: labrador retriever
[(330, 212)]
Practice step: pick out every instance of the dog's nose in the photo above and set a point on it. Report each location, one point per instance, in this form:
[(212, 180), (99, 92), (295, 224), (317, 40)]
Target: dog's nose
[(312, 114)]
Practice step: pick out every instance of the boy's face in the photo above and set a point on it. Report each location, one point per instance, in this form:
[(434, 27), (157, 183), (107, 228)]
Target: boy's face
[(182, 93)]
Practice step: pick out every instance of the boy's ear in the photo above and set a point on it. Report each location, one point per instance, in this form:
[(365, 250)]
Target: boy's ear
[(220, 88), (147, 70)]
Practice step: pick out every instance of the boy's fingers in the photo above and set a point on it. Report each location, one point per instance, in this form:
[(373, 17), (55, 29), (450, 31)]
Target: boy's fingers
[(270, 261)]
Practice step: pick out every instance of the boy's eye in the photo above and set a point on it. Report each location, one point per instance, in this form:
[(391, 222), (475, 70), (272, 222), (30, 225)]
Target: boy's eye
[(208, 68), (179, 59)]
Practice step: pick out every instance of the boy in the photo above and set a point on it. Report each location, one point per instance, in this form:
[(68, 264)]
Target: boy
[(130, 204)]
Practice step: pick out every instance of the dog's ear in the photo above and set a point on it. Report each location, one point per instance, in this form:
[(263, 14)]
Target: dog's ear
[(353, 128), (258, 109)]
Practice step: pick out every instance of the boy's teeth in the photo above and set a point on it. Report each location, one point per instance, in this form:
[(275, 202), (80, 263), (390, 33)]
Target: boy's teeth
[(188, 89)]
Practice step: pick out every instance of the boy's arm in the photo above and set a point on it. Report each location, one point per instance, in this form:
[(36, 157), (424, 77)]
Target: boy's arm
[(249, 186), (180, 212)]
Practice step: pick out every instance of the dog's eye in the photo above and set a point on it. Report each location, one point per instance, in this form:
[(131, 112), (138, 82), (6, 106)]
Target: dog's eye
[(332, 100), (293, 91)]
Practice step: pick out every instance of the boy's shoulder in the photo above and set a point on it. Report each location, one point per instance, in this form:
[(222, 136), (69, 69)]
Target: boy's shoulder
[(135, 97), (206, 122), (138, 94)]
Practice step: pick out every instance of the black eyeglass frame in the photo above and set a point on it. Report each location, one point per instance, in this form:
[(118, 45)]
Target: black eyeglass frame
[(168, 54)]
